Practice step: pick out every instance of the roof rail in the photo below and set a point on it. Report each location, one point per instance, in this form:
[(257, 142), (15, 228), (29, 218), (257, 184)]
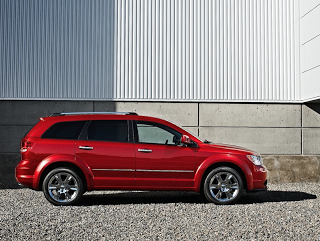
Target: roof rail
[(93, 113)]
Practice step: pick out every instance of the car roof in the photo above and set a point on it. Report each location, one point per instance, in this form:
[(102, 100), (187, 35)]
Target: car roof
[(84, 116), (93, 113), (80, 116)]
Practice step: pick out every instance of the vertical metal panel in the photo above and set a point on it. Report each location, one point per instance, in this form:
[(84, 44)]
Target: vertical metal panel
[(192, 50), (214, 50), (57, 49), (310, 60)]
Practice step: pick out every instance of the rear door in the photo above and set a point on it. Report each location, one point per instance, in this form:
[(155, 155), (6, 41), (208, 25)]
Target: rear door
[(108, 148)]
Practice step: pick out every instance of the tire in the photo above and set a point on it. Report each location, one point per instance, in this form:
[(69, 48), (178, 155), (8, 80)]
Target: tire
[(62, 186), (223, 186)]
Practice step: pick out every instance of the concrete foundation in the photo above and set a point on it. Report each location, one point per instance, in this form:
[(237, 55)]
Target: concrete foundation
[(288, 135), (288, 169)]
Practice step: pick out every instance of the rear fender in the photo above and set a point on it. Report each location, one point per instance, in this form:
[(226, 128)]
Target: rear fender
[(220, 160), (63, 158)]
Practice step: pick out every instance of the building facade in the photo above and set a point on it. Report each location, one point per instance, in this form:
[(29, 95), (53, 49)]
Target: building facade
[(241, 72)]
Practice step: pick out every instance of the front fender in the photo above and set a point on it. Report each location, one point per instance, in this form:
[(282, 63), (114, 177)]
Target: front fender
[(63, 158), (221, 159)]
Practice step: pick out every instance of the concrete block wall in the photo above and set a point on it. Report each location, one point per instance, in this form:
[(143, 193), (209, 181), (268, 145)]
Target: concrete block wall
[(266, 128), (286, 134), (311, 129)]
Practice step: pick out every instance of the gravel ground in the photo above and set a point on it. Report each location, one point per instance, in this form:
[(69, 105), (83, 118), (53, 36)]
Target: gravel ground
[(285, 212)]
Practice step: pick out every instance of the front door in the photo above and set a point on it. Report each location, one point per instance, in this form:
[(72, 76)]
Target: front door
[(109, 152), (160, 162)]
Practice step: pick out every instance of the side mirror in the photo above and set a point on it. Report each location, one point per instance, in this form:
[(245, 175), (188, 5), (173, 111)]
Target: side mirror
[(185, 140)]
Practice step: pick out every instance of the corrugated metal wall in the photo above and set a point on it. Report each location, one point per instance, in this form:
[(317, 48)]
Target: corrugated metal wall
[(228, 50), (57, 49)]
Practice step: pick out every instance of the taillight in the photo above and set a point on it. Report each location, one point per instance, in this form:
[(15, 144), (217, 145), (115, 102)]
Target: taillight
[(25, 146)]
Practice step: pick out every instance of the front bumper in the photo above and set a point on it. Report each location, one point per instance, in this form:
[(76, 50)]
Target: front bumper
[(259, 182)]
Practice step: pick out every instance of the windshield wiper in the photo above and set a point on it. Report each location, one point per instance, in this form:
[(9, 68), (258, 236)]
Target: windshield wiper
[(206, 142)]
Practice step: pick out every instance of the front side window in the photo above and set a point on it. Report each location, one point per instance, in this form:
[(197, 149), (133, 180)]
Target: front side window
[(108, 130), (154, 133), (64, 130)]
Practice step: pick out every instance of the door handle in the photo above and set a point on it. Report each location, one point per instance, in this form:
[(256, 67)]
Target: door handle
[(86, 147), (145, 150)]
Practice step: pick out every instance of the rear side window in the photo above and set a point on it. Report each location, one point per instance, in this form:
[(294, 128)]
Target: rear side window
[(64, 130), (108, 130)]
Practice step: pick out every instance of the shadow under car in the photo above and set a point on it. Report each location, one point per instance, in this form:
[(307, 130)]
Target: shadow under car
[(148, 197)]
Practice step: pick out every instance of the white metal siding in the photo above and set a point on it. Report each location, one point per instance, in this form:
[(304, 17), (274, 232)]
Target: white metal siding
[(310, 50), (189, 50)]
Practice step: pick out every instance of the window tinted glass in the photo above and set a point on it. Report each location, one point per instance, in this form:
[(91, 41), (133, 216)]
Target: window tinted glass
[(149, 132), (64, 130), (108, 130)]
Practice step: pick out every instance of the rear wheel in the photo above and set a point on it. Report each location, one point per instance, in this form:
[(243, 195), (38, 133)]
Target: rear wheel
[(223, 185), (62, 186)]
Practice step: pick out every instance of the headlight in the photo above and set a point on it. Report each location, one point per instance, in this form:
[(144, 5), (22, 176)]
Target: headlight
[(256, 160)]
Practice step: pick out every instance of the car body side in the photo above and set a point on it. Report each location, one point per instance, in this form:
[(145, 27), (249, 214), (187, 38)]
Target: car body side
[(40, 159)]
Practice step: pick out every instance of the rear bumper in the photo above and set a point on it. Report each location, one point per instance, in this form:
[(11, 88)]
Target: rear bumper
[(24, 173), (25, 180)]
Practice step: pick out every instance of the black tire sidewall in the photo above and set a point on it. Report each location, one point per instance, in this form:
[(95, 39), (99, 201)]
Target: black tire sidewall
[(206, 190), (52, 173)]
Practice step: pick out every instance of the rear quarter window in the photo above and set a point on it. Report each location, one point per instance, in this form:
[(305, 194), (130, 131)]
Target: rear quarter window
[(108, 130), (64, 130)]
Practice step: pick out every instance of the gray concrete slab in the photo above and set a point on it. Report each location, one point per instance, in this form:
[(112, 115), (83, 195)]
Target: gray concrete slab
[(104, 106), (192, 130), (7, 174), (263, 140), (11, 137), (8, 180), (26, 112), (9, 160), (311, 141), (250, 115), (311, 115), (183, 114)]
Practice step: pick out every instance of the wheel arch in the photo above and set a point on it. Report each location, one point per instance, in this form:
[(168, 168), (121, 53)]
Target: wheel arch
[(55, 165), (223, 164), (55, 161), (206, 167)]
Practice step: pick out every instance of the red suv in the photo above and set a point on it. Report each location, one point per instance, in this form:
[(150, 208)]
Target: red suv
[(67, 154)]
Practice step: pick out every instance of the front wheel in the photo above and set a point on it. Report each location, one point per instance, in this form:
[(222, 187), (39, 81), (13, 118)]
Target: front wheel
[(223, 185), (62, 186)]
